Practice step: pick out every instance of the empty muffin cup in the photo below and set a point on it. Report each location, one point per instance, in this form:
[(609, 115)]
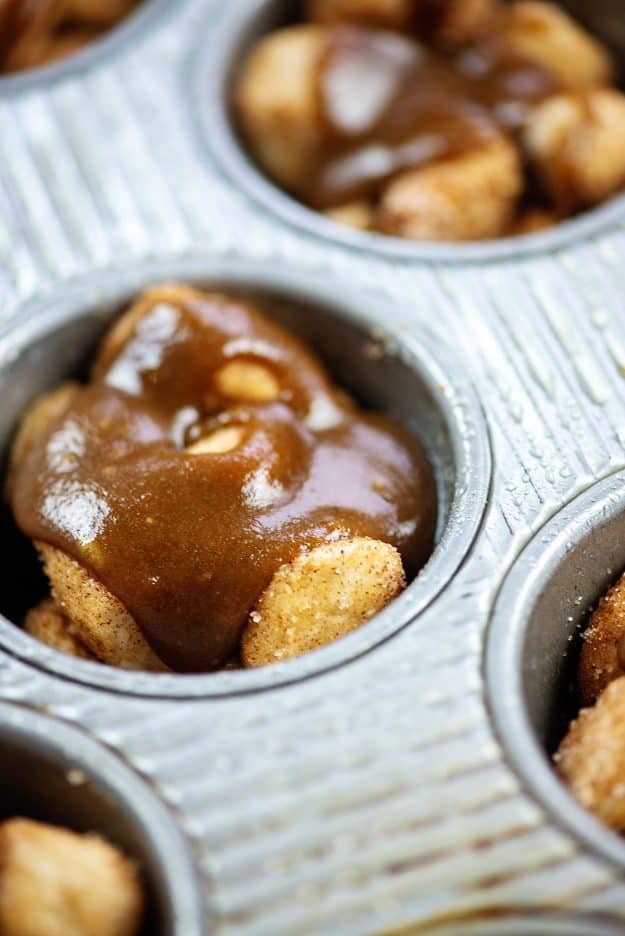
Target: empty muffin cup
[(369, 348), (534, 642), (55, 774), (215, 67)]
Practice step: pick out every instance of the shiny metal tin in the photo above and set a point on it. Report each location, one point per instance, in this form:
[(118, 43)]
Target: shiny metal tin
[(56, 774), (410, 375)]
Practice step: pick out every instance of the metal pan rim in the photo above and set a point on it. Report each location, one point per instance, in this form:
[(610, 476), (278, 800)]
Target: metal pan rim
[(207, 77), (436, 366), (503, 662)]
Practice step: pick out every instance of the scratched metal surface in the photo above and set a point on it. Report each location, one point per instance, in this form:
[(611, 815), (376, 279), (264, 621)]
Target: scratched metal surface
[(374, 798)]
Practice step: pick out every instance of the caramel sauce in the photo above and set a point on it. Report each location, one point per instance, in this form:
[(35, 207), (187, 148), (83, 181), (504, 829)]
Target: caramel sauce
[(188, 541), (389, 104)]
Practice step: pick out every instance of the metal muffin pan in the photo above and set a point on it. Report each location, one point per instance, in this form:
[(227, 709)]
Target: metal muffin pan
[(222, 46), (56, 774), (410, 376), (542, 607), (363, 789)]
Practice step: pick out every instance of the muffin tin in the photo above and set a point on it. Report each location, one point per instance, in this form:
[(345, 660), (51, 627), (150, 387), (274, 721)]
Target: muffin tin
[(396, 781)]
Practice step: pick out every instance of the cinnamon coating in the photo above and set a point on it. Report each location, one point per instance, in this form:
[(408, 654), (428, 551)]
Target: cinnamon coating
[(54, 882), (37, 32), (210, 492)]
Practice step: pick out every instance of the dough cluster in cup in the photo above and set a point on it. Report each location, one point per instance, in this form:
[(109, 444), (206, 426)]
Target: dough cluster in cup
[(38, 32), (55, 882), (210, 496), (551, 143)]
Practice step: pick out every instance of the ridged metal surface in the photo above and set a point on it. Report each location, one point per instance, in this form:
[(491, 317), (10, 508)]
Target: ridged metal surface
[(375, 797)]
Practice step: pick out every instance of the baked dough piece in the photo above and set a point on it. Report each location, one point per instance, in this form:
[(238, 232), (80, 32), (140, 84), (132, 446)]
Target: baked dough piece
[(322, 595), (47, 623), (602, 658), (591, 758), (277, 103), (576, 142), (472, 196), (99, 619), (54, 882)]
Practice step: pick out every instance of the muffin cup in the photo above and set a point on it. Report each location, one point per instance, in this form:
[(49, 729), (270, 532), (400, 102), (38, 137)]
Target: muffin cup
[(133, 28), (531, 651), (215, 62), (554, 924), (55, 774), (410, 375)]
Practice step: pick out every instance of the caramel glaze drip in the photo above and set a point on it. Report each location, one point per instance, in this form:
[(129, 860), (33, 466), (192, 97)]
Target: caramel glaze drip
[(188, 542), (388, 104)]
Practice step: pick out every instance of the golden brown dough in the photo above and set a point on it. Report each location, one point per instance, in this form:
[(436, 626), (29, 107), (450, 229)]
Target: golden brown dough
[(47, 30), (270, 398), (591, 759), (277, 103), (470, 197), (54, 882), (576, 141), (532, 220), (359, 215), (97, 12), (247, 382), (47, 623), (41, 412), (546, 35), (122, 330), (100, 620), (385, 14), (602, 658), (453, 22), (322, 595), (222, 440)]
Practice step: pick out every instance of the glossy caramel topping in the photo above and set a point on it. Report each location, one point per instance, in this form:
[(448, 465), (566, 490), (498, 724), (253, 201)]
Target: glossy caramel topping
[(209, 448), (388, 104)]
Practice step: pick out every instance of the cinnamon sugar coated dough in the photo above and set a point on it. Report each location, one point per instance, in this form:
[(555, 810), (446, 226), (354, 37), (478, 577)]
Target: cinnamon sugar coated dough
[(210, 493), (591, 758), (38, 32), (54, 882), (322, 595), (603, 652), (435, 120), (99, 620)]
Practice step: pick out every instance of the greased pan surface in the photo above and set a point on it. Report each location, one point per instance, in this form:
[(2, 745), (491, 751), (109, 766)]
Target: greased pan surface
[(371, 794)]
